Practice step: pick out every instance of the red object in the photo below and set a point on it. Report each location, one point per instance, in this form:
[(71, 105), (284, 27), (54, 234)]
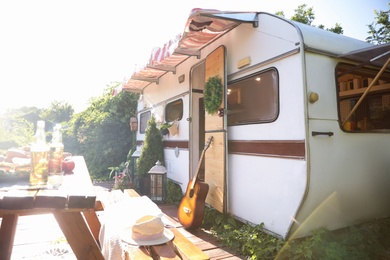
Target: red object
[(68, 165)]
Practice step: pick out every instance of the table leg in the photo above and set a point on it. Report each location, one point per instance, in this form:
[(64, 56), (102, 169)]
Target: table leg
[(7, 235), (78, 235)]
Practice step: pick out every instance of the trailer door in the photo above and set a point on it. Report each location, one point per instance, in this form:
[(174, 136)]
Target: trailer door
[(216, 126)]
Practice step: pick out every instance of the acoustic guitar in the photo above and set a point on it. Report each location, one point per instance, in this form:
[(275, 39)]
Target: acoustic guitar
[(191, 207)]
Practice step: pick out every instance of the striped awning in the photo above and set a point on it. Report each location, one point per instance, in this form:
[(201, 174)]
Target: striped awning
[(202, 28)]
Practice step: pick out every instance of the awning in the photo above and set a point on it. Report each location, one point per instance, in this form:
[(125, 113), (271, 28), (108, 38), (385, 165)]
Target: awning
[(202, 28), (376, 55)]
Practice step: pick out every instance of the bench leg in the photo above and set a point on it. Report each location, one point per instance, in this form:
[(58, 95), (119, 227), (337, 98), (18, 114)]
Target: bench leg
[(93, 222), (7, 235), (78, 235)]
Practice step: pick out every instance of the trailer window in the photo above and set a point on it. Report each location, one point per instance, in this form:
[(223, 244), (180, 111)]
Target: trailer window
[(254, 99), (143, 119), (174, 111), (373, 111)]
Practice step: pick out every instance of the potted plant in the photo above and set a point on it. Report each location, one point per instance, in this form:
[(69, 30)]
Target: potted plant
[(152, 151), (164, 128), (122, 177)]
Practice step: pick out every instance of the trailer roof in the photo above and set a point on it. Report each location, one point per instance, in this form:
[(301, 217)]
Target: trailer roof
[(205, 26)]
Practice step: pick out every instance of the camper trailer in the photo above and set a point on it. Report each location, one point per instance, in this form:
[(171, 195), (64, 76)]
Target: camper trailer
[(300, 124)]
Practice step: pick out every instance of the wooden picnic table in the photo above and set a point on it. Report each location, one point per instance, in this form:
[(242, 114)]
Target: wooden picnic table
[(71, 204)]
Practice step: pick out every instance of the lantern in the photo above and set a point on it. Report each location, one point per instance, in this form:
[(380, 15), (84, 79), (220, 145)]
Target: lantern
[(133, 124), (135, 157), (158, 179)]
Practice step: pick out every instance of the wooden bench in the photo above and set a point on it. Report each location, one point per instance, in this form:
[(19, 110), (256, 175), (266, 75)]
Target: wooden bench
[(179, 248)]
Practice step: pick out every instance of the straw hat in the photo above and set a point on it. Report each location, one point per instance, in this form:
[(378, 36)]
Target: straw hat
[(146, 231)]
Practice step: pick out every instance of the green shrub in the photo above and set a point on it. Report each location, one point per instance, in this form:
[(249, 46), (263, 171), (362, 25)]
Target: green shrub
[(174, 193), (152, 149), (365, 241)]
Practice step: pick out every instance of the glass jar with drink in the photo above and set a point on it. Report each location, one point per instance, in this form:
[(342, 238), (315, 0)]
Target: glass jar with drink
[(39, 157), (55, 158)]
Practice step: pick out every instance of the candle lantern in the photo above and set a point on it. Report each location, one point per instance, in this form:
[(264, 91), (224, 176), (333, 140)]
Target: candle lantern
[(158, 179), (133, 124), (135, 157)]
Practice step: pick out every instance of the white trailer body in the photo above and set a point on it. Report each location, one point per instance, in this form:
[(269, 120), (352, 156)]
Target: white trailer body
[(286, 152)]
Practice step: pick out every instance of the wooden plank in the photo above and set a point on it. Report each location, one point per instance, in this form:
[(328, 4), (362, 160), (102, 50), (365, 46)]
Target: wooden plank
[(18, 199), (165, 251), (78, 235), (132, 193), (215, 66), (137, 253), (186, 248), (50, 199), (7, 235), (215, 168), (220, 253)]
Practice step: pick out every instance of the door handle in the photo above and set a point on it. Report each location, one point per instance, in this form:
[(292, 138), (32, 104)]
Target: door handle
[(315, 133)]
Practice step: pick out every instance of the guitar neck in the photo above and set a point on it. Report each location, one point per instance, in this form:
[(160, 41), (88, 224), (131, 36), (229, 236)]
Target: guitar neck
[(197, 170), (200, 163)]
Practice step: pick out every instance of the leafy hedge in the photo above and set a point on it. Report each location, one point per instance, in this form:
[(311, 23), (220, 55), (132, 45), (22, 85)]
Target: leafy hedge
[(366, 241), (101, 133)]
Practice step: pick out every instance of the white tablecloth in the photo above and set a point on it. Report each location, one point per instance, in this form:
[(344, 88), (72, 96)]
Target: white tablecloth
[(117, 217)]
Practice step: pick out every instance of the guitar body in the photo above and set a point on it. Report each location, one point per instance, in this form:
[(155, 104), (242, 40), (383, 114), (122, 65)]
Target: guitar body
[(191, 207)]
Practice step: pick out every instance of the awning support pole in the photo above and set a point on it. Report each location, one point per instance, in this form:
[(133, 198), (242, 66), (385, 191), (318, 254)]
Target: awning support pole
[(367, 90)]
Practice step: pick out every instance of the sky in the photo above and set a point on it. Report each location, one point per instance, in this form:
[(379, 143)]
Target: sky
[(70, 51)]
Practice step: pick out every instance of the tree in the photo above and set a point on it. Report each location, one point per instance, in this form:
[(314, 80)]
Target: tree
[(337, 29), (305, 15), (379, 30), (58, 112), (17, 127), (15, 131), (101, 133)]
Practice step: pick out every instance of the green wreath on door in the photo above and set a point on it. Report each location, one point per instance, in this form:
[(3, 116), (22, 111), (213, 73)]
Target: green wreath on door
[(213, 91)]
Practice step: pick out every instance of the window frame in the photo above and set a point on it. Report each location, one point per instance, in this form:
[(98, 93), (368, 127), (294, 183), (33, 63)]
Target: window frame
[(348, 95), (170, 104), (142, 128), (274, 89)]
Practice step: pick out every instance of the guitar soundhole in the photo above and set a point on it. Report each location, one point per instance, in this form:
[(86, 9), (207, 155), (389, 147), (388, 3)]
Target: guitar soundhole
[(191, 193)]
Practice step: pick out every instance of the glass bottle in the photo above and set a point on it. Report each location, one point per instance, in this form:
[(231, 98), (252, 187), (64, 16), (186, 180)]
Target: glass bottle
[(39, 156), (55, 158)]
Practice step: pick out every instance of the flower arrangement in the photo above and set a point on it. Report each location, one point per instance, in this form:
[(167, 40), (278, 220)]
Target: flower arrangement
[(122, 180)]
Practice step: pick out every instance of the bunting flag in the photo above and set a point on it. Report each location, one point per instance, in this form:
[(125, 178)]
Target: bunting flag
[(161, 53), (202, 27), (117, 90)]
